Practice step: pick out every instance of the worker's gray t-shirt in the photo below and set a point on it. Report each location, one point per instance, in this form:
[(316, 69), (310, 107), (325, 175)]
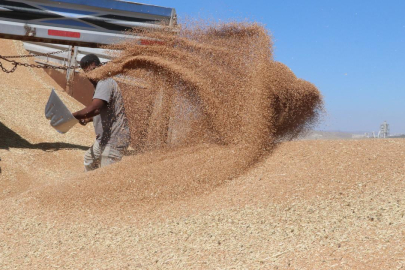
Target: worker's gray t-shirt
[(111, 125)]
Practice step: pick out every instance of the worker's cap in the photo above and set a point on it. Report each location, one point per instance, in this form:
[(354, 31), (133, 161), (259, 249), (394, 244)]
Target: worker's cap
[(88, 60)]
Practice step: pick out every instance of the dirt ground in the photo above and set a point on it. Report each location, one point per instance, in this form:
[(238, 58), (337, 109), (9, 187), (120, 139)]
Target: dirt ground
[(309, 205)]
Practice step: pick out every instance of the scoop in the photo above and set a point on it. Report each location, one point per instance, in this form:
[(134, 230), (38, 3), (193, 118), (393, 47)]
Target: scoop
[(61, 118)]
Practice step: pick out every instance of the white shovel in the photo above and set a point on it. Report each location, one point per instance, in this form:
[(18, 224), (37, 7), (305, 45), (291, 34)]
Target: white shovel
[(61, 118)]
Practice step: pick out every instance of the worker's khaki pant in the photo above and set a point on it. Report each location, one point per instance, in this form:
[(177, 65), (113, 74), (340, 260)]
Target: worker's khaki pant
[(99, 156)]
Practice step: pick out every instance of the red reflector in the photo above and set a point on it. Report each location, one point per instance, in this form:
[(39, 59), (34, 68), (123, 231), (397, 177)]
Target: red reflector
[(63, 33)]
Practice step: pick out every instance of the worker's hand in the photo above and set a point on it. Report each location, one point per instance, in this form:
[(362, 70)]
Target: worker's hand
[(83, 122)]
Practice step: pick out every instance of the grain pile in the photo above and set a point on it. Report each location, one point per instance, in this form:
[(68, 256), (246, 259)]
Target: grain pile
[(27, 143), (342, 202), (181, 202)]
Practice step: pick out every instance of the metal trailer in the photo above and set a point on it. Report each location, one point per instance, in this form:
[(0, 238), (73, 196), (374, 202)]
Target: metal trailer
[(47, 26), (89, 23)]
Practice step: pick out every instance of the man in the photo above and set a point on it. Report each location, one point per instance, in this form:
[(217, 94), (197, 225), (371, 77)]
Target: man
[(107, 113)]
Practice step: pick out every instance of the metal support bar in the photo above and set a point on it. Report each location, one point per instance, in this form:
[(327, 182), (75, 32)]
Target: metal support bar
[(70, 74)]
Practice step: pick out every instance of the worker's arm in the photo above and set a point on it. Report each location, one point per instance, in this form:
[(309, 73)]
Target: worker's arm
[(86, 115)]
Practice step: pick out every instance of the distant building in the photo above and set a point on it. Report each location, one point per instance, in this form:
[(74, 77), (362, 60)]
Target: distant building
[(384, 130)]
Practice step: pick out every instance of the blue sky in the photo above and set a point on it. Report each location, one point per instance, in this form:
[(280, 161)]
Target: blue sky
[(353, 51)]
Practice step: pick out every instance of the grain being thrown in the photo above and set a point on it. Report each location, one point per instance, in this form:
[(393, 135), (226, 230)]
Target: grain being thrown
[(216, 103), (228, 73)]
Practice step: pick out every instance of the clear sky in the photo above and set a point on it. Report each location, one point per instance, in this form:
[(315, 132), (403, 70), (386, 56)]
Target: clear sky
[(352, 50)]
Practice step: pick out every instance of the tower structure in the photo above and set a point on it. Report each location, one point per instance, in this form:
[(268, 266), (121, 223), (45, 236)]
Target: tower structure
[(384, 130)]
